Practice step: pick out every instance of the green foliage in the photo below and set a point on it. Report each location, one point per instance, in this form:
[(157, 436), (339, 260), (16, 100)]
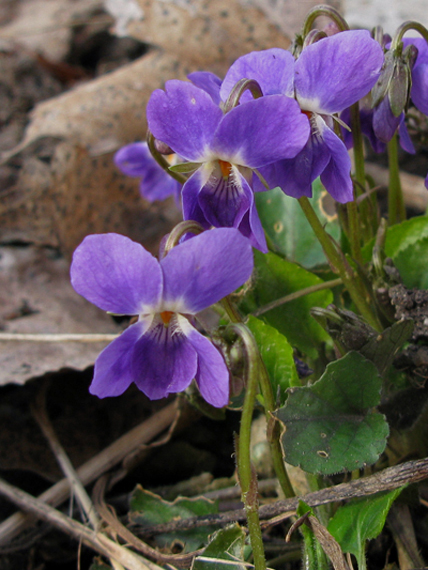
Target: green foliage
[(226, 544), (98, 564), (288, 228), (277, 355), (412, 263), (359, 521), (275, 278), (407, 245), (331, 426), (148, 509), (383, 348)]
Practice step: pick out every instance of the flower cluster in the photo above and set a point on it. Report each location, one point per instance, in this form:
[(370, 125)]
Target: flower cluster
[(277, 119)]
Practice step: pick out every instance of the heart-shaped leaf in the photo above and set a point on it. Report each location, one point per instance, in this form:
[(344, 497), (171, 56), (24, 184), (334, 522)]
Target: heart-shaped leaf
[(331, 426)]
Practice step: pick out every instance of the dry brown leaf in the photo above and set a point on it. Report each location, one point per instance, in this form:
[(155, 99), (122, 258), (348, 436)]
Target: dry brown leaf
[(58, 204), (46, 26), (36, 297), (106, 112), (288, 15), (95, 197), (204, 32)]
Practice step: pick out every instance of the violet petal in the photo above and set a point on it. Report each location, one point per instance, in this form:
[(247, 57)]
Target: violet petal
[(116, 274), (206, 268), (184, 117), (252, 134), (207, 81), (112, 372), (337, 71), (163, 361), (336, 176), (273, 69), (212, 375)]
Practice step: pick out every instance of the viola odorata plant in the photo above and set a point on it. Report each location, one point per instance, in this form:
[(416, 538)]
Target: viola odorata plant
[(328, 333)]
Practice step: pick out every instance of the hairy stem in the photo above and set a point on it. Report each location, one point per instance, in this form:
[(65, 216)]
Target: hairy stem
[(337, 261), (247, 477), (396, 209)]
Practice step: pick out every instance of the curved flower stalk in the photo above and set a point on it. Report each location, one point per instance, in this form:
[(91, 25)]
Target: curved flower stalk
[(136, 160), (329, 76), (225, 149), (385, 121), (367, 128), (162, 352)]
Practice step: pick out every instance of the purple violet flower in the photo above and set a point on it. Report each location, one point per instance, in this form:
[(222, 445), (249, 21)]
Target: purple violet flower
[(136, 160), (162, 352), (225, 149), (329, 76)]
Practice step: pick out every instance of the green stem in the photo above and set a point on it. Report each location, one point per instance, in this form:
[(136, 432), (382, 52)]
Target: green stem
[(297, 295), (324, 10), (177, 232), (359, 225), (405, 27), (337, 261), (396, 209), (273, 431), (247, 478), (161, 160)]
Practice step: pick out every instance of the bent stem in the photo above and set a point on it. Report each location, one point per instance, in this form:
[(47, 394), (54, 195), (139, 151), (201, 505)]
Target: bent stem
[(247, 477), (273, 430), (396, 209), (354, 287)]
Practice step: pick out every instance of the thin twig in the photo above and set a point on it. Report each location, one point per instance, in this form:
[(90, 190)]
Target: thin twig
[(57, 337), (41, 416), (388, 479), (97, 541), (95, 467)]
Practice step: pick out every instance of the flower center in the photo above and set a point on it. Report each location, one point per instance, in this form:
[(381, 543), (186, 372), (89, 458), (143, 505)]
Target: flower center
[(307, 113), (166, 317), (225, 168)]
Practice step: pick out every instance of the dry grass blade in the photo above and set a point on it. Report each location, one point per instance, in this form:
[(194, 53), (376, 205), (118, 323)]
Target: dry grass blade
[(95, 467), (97, 541), (41, 416)]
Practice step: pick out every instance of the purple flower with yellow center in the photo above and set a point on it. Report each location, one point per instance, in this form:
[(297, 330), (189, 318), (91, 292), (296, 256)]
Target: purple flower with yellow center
[(225, 149), (135, 160), (329, 76), (162, 352)]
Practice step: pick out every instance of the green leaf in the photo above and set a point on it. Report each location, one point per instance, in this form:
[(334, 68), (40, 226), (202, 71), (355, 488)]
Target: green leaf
[(275, 278), (412, 264), (400, 236), (383, 348), (226, 544), (287, 226), (148, 509), (361, 520), (98, 564), (277, 355), (331, 426), (185, 167)]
